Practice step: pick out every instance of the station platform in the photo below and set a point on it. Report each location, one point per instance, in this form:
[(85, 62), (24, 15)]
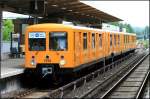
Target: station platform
[(11, 67)]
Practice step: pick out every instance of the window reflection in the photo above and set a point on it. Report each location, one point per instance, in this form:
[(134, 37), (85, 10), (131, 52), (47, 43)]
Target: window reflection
[(58, 41)]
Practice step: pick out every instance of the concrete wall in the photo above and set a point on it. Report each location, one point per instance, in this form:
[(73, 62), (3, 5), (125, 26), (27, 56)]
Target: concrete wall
[(5, 49)]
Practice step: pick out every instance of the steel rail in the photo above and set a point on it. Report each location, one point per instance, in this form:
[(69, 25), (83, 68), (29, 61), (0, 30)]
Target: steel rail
[(119, 72), (142, 86), (122, 78)]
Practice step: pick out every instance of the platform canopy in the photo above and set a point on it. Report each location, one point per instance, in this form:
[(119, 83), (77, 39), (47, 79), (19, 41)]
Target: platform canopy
[(73, 10)]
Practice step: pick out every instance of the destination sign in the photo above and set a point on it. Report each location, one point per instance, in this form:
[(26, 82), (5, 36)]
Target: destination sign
[(37, 35)]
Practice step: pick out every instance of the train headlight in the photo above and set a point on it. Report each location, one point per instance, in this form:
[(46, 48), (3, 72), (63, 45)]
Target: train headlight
[(62, 62), (33, 63)]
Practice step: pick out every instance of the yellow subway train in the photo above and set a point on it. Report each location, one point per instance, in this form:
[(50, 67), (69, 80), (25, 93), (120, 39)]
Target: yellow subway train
[(57, 49)]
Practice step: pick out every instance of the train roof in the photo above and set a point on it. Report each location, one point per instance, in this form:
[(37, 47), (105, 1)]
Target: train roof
[(48, 25), (54, 25), (100, 30)]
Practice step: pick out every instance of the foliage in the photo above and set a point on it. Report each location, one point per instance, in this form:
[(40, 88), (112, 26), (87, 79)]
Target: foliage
[(146, 32), (128, 27), (8, 27)]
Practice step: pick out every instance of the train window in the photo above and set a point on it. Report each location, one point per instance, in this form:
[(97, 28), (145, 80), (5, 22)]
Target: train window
[(124, 39), (93, 40), (115, 39), (37, 41), (127, 39), (58, 41), (100, 40), (84, 40), (110, 39), (118, 39)]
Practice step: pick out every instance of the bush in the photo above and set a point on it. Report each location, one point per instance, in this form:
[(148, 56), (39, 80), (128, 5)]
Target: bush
[(8, 27)]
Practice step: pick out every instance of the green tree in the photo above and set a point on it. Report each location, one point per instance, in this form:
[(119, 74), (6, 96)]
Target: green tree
[(128, 27), (8, 27), (146, 32), (114, 23)]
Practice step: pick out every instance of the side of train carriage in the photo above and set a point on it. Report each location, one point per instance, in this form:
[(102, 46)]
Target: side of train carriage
[(62, 49)]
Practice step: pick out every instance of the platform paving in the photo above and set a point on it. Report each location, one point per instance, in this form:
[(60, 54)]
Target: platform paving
[(11, 67)]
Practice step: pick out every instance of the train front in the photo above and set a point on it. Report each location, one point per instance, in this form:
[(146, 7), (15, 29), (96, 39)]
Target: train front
[(48, 51)]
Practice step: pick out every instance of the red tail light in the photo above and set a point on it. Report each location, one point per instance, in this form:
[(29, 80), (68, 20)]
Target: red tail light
[(47, 57), (33, 57), (62, 57)]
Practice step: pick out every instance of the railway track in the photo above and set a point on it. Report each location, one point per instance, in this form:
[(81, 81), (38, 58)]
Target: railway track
[(145, 93), (131, 84), (85, 86)]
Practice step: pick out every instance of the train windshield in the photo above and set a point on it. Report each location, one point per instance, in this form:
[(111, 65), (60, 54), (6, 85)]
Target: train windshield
[(58, 41), (37, 41)]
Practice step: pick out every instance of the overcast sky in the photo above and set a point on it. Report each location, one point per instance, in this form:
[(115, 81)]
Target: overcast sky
[(135, 13)]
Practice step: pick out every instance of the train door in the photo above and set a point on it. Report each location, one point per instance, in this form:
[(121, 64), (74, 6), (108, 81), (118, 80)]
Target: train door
[(113, 47), (119, 43), (124, 44), (97, 47), (117, 46), (80, 48), (85, 47), (108, 43), (99, 42), (102, 41), (77, 48), (104, 44), (93, 45), (89, 46), (111, 43), (130, 42)]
